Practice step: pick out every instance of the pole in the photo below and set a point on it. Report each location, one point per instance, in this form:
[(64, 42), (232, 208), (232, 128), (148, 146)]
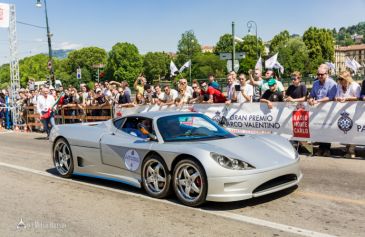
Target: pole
[(51, 78), (190, 72), (234, 47)]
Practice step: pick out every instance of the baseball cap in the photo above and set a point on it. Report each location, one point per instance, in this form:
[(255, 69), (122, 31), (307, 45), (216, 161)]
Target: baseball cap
[(271, 82)]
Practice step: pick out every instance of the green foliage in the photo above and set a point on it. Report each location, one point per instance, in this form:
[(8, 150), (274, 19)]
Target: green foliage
[(85, 58), (280, 39), (124, 62), (320, 44), (4, 76), (343, 36), (225, 45), (187, 47), (293, 56), (204, 64), (249, 47), (156, 65)]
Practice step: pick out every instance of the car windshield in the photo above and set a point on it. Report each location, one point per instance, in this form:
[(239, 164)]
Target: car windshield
[(188, 127)]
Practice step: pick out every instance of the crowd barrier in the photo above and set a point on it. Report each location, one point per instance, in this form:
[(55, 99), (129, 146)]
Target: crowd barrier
[(324, 122), (69, 114)]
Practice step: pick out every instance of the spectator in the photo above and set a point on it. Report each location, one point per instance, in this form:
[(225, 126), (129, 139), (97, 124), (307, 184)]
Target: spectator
[(183, 96), (158, 96), (124, 99), (256, 81), (234, 77), (231, 94), (244, 90), (196, 94), (148, 94), (139, 99), (347, 90), (212, 82), (45, 109), (139, 84), (362, 93), (183, 85), (296, 92), (272, 94), (323, 90), (263, 84), (212, 95), (2, 109), (169, 96)]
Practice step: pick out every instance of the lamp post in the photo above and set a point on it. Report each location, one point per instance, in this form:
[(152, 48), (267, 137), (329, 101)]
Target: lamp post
[(249, 26), (50, 63)]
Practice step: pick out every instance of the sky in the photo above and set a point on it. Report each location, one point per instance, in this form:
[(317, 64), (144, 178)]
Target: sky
[(157, 25)]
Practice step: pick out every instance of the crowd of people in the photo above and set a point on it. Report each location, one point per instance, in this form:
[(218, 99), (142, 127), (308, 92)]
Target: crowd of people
[(254, 87)]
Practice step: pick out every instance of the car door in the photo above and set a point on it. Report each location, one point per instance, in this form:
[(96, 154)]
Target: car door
[(125, 148)]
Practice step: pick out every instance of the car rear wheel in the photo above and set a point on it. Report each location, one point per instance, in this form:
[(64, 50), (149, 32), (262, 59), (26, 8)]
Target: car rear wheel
[(156, 178), (62, 158), (190, 182)]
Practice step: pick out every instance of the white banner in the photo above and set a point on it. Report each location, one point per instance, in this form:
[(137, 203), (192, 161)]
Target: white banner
[(4, 15), (325, 122)]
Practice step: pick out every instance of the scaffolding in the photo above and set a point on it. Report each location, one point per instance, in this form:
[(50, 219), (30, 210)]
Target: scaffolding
[(14, 68)]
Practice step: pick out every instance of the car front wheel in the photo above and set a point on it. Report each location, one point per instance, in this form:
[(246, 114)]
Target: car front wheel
[(190, 182), (62, 158), (156, 178)]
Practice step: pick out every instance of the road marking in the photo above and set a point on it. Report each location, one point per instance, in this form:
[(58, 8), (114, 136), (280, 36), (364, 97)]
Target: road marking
[(224, 214), (330, 198), (5, 132)]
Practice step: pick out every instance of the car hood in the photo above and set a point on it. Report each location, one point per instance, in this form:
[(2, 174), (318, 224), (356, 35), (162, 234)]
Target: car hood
[(261, 151)]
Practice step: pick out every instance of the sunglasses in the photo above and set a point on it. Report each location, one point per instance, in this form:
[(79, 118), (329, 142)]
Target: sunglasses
[(194, 87), (321, 74), (294, 78), (340, 79)]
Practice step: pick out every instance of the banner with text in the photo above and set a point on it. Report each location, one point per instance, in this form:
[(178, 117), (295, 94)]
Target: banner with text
[(325, 122)]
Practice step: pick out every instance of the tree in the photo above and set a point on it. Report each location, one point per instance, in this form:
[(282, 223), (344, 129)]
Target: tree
[(320, 44), (124, 62), (187, 47), (225, 45), (249, 47), (156, 65), (207, 63), (278, 40), (4, 76), (293, 56), (85, 58), (34, 67)]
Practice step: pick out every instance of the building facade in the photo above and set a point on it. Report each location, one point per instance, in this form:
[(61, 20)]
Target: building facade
[(352, 51)]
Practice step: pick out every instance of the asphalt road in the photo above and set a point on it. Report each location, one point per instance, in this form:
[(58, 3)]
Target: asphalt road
[(34, 201)]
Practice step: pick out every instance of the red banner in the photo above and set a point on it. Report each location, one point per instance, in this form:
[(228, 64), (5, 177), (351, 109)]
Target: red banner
[(300, 120)]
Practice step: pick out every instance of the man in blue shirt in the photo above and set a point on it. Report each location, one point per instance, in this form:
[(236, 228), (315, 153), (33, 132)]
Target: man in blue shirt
[(324, 89), (212, 82)]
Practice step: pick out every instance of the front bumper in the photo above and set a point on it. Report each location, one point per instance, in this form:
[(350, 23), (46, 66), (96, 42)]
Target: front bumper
[(227, 189)]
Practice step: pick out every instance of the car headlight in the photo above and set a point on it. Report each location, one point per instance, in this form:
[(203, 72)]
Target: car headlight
[(230, 163)]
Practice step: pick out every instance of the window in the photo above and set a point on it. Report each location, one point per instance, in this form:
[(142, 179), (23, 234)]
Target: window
[(132, 127)]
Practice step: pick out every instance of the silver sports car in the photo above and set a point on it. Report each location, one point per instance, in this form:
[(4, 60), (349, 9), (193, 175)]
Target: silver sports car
[(185, 152)]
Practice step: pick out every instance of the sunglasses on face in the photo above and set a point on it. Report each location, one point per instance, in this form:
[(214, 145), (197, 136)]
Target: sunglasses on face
[(321, 74)]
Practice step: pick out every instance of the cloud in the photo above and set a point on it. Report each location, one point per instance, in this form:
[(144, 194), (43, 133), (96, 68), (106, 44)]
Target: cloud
[(68, 45)]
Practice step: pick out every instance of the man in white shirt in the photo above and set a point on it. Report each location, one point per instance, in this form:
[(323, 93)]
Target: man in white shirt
[(169, 96), (45, 105)]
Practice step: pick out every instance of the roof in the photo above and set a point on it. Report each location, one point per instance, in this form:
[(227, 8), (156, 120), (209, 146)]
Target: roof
[(157, 114), (351, 47)]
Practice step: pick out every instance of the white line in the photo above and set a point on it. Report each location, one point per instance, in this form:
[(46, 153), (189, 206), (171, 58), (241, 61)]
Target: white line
[(224, 214), (5, 132)]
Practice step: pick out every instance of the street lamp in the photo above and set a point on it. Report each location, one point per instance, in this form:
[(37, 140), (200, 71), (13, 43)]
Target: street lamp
[(249, 26), (50, 63)]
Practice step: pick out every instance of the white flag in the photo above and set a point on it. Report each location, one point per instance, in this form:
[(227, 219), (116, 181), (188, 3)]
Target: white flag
[(279, 66), (356, 64), (259, 64), (238, 39), (173, 68), (4, 15), (270, 63), (331, 65), (349, 63), (186, 65)]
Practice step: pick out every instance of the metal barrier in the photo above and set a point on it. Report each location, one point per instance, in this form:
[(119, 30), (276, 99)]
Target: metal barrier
[(69, 114)]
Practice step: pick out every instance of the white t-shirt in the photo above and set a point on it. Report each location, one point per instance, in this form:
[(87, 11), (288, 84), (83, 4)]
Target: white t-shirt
[(353, 90), (248, 90), (44, 104), (173, 95)]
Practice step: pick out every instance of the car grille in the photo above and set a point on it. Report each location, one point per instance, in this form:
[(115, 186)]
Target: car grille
[(275, 182)]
